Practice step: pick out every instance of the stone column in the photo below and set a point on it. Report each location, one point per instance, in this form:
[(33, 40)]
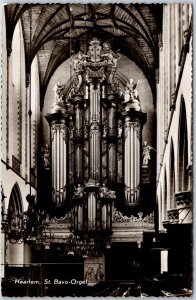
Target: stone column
[(133, 122), (59, 160)]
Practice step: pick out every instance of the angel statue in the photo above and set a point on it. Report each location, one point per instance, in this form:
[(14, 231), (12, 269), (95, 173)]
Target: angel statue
[(59, 91), (131, 88), (146, 153), (45, 152), (79, 191)]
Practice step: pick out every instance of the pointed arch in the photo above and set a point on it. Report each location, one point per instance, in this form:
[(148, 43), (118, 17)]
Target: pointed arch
[(15, 207), (183, 177), (172, 175), (17, 91)]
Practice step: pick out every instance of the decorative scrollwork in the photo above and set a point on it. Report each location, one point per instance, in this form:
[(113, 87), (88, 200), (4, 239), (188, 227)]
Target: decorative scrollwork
[(136, 126), (120, 218), (61, 128), (59, 89), (53, 131), (68, 218)]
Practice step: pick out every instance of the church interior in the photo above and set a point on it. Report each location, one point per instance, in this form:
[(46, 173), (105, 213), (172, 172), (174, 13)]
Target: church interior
[(96, 150)]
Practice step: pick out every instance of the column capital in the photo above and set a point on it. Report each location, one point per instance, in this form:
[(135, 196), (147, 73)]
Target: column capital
[(135, 116), (57, 117)]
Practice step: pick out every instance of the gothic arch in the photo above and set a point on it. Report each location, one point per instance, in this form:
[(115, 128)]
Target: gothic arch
[(183, 149), (15, 207), (17, 91)]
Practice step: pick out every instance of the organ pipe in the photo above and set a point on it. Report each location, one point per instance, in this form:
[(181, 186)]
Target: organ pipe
[(96, 134)]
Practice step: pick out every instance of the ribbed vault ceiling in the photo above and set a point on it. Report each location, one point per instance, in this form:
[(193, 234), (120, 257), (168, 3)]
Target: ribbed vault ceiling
[(57, 29)]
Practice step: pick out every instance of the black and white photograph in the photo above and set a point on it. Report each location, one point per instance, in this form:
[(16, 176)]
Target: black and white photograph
[(96, 149)]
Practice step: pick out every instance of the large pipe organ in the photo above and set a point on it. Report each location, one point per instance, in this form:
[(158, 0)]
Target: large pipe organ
[(95, 136)]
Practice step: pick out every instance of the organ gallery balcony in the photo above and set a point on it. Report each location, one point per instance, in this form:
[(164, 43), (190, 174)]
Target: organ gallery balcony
[(173, 215), (182, 214), (183, 199), (184, 204)]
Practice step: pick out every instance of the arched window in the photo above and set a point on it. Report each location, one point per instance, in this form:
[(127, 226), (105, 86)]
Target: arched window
[(172, 176), (15, 250), (183, 150), (15, 208)]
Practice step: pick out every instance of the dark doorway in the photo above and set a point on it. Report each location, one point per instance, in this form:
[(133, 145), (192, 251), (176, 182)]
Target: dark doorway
[(120, 261)]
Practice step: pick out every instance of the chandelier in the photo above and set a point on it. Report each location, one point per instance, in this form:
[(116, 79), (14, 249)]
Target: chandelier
[(29, 226), (84, 247)]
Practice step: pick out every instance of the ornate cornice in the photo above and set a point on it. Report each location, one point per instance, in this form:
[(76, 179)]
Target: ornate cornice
[(118, 217), (67, 219), (61, 128)]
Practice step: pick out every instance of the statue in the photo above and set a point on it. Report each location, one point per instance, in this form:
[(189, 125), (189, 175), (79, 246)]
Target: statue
[(99, 273), (79, 61), (109, 55), (59, 91), (131, 91), (131, 97), (79, 192), (105, 192), (46, 156), (90, 276), (131, 86), (146, 153), (111, 194)]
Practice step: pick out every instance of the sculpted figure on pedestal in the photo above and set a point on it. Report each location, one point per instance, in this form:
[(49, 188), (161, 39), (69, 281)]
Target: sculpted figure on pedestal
[(146, 153), (59, 89), (46, 156), (105, 192), (79, 192)]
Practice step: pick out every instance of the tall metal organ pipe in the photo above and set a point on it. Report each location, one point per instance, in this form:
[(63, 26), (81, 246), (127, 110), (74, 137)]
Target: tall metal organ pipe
[(59, 170), (133, 122), (94, 138)]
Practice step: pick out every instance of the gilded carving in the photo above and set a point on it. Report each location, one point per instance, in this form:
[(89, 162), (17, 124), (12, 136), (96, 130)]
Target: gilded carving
[(61, 128), (120, 218)]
